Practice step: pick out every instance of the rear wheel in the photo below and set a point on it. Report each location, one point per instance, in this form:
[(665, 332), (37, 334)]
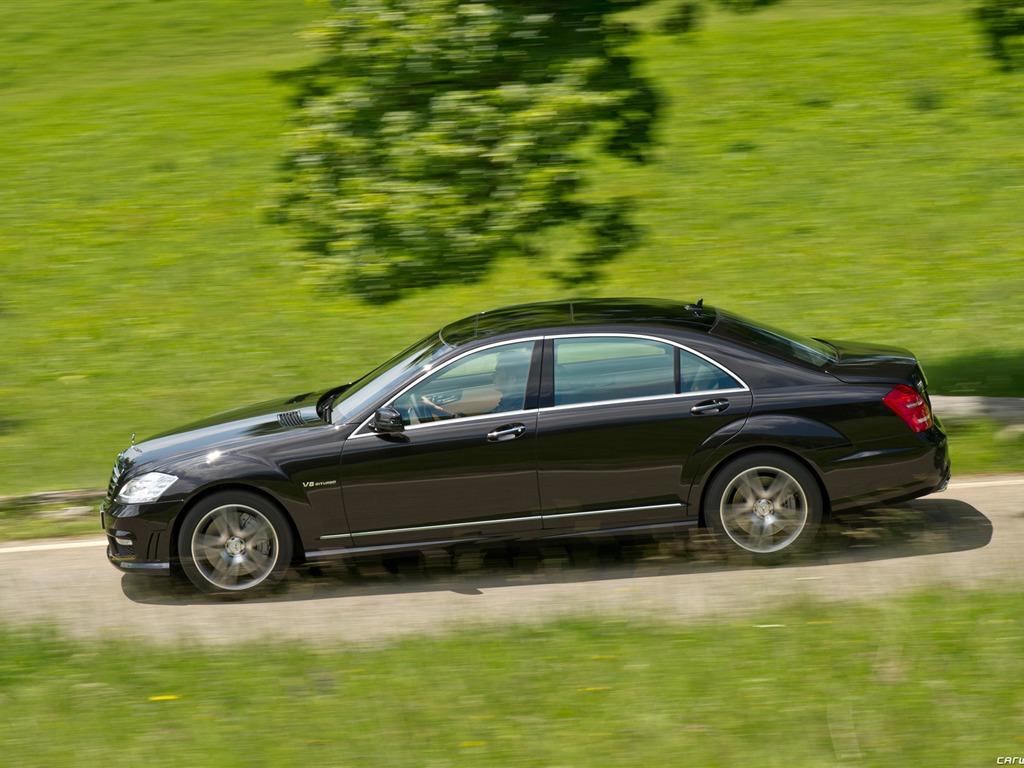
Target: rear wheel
[(234, 542), (764, 504)]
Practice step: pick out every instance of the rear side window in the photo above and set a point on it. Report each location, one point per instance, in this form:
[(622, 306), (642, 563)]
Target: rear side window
[(592, 370)]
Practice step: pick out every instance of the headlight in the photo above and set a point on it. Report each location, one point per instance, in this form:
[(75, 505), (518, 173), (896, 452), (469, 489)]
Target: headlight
[(145, 488)]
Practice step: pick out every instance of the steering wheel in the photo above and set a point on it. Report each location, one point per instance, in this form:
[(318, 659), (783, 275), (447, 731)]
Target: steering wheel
[(421, 411)]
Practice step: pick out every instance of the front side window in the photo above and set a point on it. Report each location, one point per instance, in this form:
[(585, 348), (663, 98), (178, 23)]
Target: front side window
[(490, 381)]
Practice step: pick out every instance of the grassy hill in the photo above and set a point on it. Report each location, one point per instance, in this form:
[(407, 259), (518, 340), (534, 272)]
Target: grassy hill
[(844, 169)]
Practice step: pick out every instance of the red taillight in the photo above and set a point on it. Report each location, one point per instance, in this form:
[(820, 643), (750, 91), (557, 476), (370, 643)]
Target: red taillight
[(910, 406)]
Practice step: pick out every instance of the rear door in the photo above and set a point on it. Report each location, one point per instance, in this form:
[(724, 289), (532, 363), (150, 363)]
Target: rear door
[(622, 416)]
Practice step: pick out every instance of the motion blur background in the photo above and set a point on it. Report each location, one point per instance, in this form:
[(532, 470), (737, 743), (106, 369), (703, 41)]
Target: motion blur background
[(839, 168), (853, 170)]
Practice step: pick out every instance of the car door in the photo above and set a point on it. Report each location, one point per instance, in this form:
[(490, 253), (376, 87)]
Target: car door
[(463, 467), (622, 416)]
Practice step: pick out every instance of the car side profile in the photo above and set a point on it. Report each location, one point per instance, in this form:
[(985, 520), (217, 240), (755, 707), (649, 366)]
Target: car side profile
[(560, 420)]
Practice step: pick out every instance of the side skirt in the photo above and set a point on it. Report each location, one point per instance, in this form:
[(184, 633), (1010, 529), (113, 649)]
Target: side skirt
[(656, 529)]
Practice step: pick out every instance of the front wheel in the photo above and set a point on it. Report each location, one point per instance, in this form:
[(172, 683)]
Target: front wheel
[(766, 504), (234, 542)]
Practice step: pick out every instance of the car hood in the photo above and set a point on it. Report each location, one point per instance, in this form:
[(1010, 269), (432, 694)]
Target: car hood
[(859, 361), (229, 429)]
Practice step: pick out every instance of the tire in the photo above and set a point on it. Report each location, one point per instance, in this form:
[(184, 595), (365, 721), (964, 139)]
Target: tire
[(234, 542), (766, 505)]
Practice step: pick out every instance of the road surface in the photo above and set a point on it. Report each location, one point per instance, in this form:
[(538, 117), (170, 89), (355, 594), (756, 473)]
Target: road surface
[(970, 535)]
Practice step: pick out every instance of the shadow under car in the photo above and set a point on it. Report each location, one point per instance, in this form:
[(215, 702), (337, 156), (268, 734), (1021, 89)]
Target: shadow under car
[(916, 528)]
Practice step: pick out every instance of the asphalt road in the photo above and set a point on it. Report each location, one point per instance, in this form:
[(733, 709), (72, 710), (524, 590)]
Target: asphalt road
[(969, 535)]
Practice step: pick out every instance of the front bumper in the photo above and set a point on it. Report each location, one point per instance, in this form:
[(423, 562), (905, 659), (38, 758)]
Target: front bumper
[(139, 536)]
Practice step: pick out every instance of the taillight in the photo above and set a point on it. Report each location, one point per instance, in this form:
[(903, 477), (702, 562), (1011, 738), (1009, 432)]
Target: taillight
[(910, 406)]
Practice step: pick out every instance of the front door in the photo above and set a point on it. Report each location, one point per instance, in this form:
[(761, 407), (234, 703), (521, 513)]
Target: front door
[(465, 465)]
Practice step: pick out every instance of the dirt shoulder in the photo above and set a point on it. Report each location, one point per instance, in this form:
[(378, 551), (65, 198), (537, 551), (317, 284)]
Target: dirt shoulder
[(968, 536)]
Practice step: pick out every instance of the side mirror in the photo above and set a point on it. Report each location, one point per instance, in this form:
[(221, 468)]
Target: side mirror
[(387, 420)]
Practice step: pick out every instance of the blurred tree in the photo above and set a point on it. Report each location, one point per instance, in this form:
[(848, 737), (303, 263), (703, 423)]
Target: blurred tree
[(1001, 20), (746, 6), (433, 136), (683, 18)]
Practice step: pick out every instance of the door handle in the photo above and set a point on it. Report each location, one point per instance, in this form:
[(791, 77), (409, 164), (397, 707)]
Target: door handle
[(509, 432), (710, 406)]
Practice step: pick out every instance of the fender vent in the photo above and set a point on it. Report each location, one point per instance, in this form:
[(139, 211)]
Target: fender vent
[(291, 419)]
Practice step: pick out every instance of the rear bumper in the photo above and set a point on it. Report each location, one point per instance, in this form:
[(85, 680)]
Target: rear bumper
[(890, 472)]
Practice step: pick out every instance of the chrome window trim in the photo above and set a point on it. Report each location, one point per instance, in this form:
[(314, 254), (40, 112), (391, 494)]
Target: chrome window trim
[(363, 429), (513, 415), (647, 399), (650, 398)]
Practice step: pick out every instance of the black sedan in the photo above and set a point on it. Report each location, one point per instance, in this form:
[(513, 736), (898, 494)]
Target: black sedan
[(559, 420)]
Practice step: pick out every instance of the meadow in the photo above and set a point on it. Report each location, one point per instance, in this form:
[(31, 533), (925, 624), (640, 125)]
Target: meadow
[(852, 170), (845, 169), (930, 679)]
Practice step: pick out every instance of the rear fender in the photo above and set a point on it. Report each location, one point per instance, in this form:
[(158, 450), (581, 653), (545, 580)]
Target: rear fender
[(791, 435)]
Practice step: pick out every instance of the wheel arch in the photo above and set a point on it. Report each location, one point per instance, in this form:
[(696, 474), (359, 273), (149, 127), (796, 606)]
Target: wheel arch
[(712, 472), (297, 555)]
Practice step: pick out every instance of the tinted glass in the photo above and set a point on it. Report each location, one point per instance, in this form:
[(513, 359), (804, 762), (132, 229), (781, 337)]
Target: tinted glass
[(589, 370), (490, 381), (507, 320), (374, 385), (774, 340), (698, 375)]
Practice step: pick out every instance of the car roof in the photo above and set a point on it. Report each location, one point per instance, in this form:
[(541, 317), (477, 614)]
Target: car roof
[(580, 312)]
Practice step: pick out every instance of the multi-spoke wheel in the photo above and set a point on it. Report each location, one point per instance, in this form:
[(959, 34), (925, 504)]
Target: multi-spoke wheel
[(234, 542), (766, 504)]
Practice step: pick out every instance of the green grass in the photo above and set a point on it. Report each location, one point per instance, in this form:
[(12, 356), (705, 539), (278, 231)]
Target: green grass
[(985, 446), (33, 518), (932, 679), (844, 169), (19, 524)]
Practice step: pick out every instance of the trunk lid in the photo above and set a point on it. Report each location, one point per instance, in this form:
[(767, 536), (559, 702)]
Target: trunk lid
[(859, 362)]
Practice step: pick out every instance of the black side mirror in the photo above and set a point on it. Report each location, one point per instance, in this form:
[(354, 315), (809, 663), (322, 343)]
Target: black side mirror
[(387, 420)]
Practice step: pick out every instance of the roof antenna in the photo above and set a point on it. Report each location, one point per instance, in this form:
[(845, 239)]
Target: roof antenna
[(697, 308)]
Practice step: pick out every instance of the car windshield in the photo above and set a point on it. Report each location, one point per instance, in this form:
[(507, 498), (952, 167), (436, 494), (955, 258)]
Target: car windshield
[(782, 343), (354, 400)]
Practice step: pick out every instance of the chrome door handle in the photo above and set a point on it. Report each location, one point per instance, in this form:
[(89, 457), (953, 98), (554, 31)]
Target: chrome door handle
[(510, 432), (711, 406)]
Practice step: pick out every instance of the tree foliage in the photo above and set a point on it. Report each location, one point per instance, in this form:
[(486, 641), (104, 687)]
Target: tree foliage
[(432, 137), (686, 15), (1001, 21)]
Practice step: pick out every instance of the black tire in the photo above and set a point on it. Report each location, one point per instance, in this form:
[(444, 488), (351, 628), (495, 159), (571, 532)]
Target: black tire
[(234, 542), (766, 505)]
